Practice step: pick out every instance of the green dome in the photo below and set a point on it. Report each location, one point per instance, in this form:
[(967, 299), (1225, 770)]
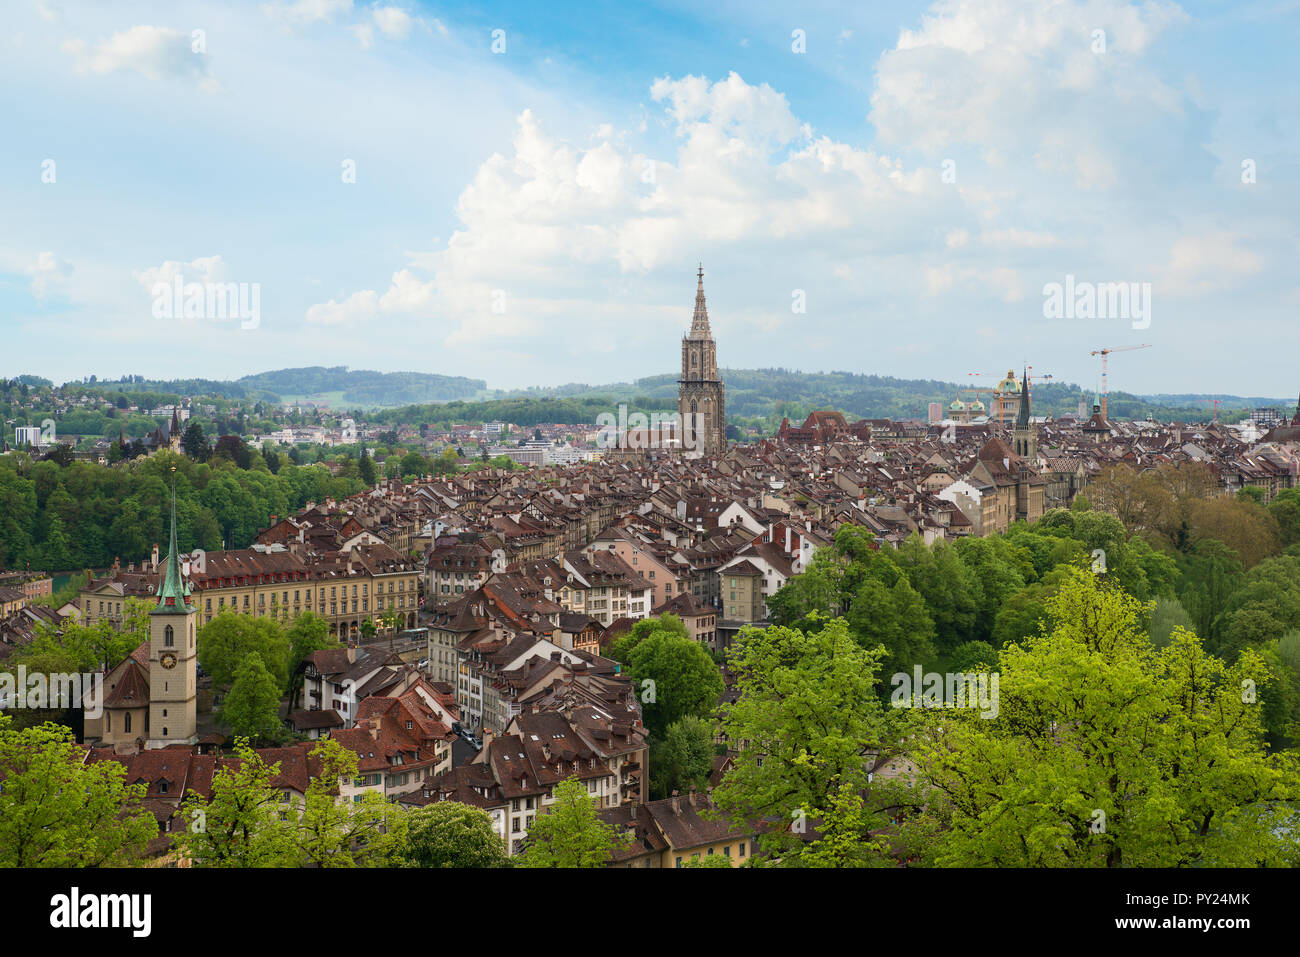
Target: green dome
[(1009, 384), (976, 406), (957, 406)]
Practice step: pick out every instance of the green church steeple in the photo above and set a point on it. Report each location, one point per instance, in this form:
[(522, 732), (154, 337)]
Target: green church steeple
[(172, 598)]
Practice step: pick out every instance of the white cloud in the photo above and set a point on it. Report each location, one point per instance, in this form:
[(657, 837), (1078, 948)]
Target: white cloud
[(1022, 77), (153, 52), (393, 21), (203, 270), (49, 273), (406, 296), (551, 223), (302, 12), (1024, 238), (1207, 263)]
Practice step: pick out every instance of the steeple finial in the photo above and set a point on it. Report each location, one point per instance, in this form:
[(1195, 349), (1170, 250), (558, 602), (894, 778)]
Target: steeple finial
[(700, 321)]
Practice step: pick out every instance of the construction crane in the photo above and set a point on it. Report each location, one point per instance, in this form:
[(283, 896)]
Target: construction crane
[(1104, 353)]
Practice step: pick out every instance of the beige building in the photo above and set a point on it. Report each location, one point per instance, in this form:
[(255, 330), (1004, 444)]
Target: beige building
[(367, 582)]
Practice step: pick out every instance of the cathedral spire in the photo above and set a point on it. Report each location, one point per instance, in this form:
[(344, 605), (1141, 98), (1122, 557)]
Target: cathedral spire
[(700, 321)]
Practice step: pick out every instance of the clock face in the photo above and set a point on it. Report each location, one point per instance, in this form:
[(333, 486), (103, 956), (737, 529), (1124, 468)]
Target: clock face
[(167, 660)]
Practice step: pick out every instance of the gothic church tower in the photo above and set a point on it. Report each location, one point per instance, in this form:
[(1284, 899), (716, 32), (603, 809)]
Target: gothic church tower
[(700, 394), (1025, 436), (173, 655)]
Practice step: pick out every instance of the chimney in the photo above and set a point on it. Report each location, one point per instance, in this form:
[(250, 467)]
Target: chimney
[(274, 519), (677, 804), (691, 797), (155, 556), (374, 728)]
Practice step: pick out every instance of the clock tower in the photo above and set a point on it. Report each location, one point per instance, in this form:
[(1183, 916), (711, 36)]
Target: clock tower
[(173, 654)]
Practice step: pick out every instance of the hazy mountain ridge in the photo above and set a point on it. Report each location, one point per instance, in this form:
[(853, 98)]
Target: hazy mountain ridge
[(751, 393)]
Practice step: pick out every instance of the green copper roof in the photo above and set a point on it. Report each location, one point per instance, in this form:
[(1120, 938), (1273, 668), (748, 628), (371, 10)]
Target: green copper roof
[(171, 591)]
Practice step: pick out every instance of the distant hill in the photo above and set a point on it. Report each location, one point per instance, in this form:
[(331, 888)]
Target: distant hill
[(772, 393), (757, 394), (362, 388), (338, 386)]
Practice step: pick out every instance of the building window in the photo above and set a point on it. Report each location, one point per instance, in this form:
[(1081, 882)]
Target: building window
[(169, 637)]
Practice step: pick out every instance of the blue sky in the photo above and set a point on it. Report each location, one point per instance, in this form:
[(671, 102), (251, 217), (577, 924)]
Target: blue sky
[(914, 178)]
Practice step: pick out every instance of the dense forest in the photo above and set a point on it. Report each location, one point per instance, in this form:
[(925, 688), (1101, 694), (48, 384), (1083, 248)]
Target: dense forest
[(1227, 569), (81, 515), (364, 388)]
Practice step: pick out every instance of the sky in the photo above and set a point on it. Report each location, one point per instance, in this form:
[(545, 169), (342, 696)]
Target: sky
[(521, 192)]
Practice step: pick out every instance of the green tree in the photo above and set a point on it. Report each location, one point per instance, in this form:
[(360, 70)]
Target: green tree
[(894, 618), (308, 633), (414, 464), (675, 677), (570, 833), (195, 443), (335, 833), (84, 648), (643, 628), (1211, 573), (271, 456), (973, 656), (446, 464), (1285, 510), (230, 637), (1167, 615), (1108, 752), (710, 860), (951, 590), (366, 468), (683, 758), (245, 821), (56, 810), (1000, 575), (251, 708), (814, 729), (451, 834)]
